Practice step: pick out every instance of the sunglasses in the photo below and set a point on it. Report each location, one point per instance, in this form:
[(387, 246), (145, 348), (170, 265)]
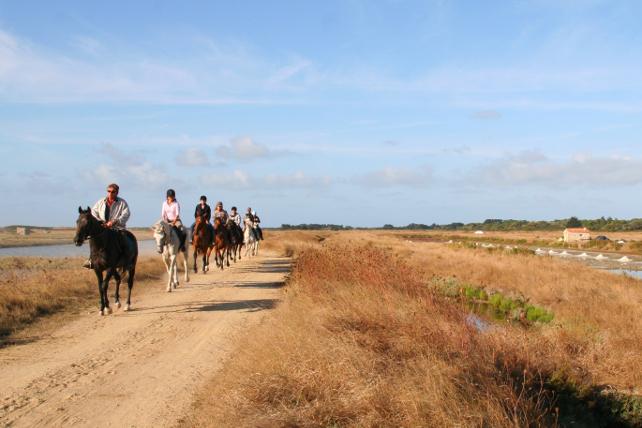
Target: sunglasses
[(111, 191)]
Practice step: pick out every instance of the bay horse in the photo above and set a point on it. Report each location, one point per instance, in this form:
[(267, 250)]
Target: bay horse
[(202, 243), (221, 243), (236, 239), (168, 244), (111, 252)]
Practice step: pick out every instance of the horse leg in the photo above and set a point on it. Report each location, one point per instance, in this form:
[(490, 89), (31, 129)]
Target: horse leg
[(130, 285), (99, 277), (170, 272), (195, 255), (117, 293), (185, 257), (110, 273)]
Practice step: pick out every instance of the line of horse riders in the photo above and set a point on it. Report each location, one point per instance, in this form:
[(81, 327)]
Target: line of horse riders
[(114, 249)]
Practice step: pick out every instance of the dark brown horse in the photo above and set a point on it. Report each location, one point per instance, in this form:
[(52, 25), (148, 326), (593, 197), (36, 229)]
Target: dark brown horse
[(236, 240), (203, 241), (221, 243), (111, 252)]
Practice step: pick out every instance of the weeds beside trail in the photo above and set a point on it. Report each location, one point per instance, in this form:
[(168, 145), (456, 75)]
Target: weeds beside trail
[(362, 339), (32, 287)]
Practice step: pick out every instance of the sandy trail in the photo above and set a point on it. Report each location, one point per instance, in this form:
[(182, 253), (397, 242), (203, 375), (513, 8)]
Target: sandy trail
[(138, 368)]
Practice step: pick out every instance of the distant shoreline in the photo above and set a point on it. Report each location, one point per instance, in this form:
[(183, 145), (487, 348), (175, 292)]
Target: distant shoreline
[(42, 236)]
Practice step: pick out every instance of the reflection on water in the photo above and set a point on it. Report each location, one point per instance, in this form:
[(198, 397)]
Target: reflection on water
[(145, 247), (632, 273)]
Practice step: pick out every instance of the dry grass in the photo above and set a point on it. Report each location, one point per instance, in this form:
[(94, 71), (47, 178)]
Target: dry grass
[(361, 340), (32, 287)]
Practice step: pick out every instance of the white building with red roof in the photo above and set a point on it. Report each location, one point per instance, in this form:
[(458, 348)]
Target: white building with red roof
[(576, 234)]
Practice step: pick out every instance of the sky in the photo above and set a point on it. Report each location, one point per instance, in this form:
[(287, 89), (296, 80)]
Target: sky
[(349, 112)]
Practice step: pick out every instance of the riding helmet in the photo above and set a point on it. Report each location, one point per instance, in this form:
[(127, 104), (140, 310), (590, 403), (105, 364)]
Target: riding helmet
[(170, 192)]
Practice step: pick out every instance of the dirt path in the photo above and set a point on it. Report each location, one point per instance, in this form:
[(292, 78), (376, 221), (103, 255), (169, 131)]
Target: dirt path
[(138, 368)]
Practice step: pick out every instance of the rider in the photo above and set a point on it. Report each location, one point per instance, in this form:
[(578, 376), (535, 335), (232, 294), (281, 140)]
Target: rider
[(171, 213), (235, 217), (249, 222), (112, 211), (219, 212), (202, 209), (257, 221)]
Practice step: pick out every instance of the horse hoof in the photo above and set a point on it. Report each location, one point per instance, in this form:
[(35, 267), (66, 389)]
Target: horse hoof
[(169, 289), (117, 305), (101, 312), (108, 311), (128, 308)]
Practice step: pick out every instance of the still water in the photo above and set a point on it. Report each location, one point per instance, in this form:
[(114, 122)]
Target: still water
[(145, 247)]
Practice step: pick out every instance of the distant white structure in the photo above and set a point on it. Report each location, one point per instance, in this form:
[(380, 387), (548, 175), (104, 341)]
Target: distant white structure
[(576, 234), (23, 231), (479, 232)]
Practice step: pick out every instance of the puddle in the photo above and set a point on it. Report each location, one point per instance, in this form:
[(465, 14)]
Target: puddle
[(632, 273)]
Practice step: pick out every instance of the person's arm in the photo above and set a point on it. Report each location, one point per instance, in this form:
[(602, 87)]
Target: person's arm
[(164, 213), (121, 220), (95, 211), (178, 213)]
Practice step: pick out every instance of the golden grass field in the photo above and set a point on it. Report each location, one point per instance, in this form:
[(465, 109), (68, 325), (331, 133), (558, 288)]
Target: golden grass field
[(364, 339), (32, 287), (367, 336)]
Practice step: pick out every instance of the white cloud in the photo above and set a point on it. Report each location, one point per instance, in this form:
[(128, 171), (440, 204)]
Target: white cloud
[(240, 180), (536, 169), (236, 180), (192, 157), (128, 167), (296, 180), (395, 177), (243, 148)]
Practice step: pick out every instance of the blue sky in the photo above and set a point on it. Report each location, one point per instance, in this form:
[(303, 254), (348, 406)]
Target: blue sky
[(349, 112)]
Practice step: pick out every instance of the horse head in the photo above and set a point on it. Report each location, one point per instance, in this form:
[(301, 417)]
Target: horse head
[(86, 226), (161, 233)]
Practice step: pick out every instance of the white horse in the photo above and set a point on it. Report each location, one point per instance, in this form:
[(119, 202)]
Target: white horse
[(249, 238), (168, 243)]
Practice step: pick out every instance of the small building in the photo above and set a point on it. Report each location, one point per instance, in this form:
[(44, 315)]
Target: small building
[(24, 231), (576, 234), (479, 232)]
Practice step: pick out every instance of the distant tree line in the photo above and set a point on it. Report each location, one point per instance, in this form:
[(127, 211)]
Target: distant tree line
[(607, 224), (314, 226)]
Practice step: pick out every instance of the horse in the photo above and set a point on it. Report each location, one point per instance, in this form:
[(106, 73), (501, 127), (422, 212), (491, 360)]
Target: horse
[(236, 240), (249, 239), (221, 243), (110, 251), (202, 243), (169, 245)]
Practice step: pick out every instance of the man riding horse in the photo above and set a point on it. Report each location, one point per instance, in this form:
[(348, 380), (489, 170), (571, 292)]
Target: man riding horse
[(112, 211)]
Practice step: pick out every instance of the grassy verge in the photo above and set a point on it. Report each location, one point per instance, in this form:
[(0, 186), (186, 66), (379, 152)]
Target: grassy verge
[(362, 341), (31, 288)]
